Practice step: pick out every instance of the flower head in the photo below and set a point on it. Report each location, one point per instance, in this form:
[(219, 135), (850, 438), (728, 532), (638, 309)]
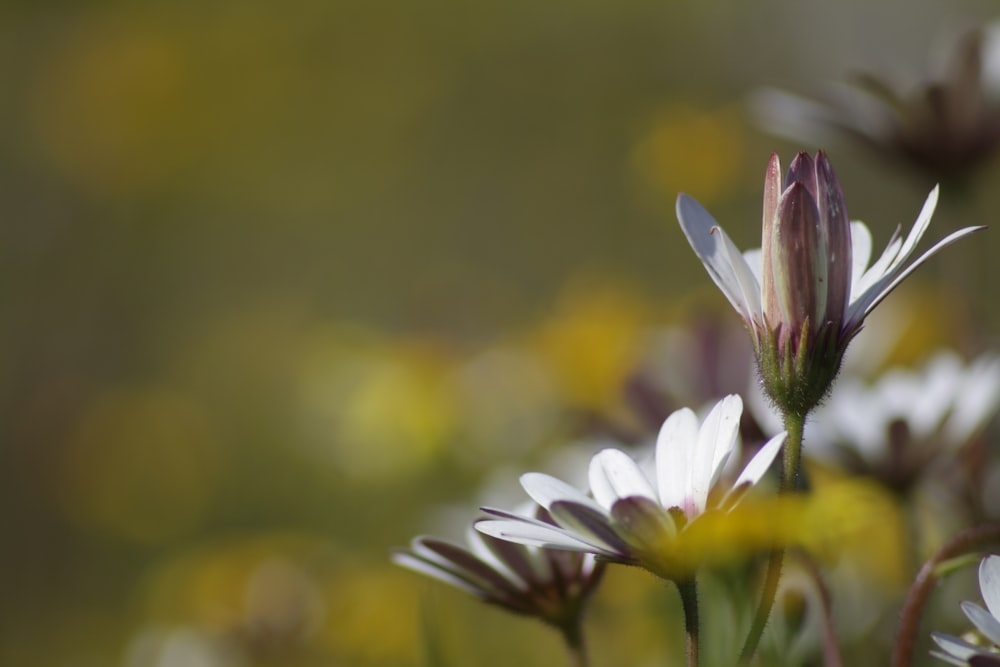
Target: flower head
[(630, 519), (946, 123), (806, 294), (987, 621), (549, 585)]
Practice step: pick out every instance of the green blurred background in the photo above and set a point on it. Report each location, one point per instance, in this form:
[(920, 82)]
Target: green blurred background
[(279, 281)]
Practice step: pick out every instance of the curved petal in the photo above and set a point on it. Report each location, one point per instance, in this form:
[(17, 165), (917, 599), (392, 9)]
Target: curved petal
[(959, 649), (989, 584), (755, 469), (755, 260), (540, 535), (717, 252), (588, 526), (728, 429), (614, 475), (432, 569), (882, 288), (546, 489), (716, 440), (861, 254), (516, 561), (880, 268), (919, 227), (678, 437), (983, 620)]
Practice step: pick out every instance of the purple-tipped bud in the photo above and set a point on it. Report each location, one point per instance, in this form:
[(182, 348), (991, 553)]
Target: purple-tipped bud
[(836, 227), (797, 265), (805, 280), (806, 249)]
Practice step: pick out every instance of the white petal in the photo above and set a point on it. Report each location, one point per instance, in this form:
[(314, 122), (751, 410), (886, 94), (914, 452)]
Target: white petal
[(731, 411), (723, 261), (983, 620), (546, 489), (761, 461), (881, 289), (539, 535), (861, 254), (977, 399), (961, 649), (674, 445), (755, 260), (411, 562), (919, 227), (989, 584), (480, 549), (614, 475), (716, 440)]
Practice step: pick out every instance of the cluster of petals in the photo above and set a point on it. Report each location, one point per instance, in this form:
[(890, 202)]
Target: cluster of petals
[(945, 120), (957, 651), (740, 276), (942, 406), (549, 585), (634, 517)]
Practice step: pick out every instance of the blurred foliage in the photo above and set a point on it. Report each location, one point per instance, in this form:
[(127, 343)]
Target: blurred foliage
[(279, 281)]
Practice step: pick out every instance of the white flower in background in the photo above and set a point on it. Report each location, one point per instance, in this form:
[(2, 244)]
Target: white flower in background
[(806, 293), (958, 651), (637, 518), (552, 586), (897, 427), (945, 122)]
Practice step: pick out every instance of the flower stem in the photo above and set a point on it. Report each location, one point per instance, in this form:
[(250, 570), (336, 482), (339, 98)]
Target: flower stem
[(971, 540), (790, 483), (831, 649), (689, 600), (576, 648)]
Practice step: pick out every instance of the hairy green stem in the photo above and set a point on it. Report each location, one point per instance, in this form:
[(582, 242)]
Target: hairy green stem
[(689, 600), (790, 483), (968, 541)]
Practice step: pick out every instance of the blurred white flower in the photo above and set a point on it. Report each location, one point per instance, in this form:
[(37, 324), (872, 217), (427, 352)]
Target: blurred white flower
[(897, 427), (946, 122)]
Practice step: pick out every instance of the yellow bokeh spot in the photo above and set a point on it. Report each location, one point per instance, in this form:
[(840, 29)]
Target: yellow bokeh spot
[(591, 343), (875, 545), (108, 106), (832, 521), (375, 408), (693, 150), (265, 591), (374, 614)]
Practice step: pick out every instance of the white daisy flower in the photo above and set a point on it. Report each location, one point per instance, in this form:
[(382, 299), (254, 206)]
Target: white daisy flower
[(958, 651), (805, 294), (635, 518)]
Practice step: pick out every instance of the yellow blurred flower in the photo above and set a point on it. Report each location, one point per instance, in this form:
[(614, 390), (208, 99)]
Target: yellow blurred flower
[(699, 151), (259, 596), (108, 107), (591, 342), (375, 407), (373, 614)]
